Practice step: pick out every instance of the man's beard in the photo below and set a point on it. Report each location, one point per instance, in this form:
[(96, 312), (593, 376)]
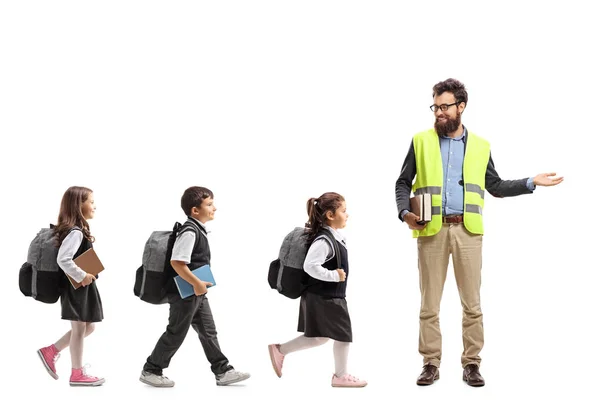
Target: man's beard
[(444, 128)]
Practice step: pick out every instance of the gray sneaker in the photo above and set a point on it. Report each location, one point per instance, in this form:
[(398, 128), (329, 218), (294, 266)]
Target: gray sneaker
[(156, 380), (231, 376)]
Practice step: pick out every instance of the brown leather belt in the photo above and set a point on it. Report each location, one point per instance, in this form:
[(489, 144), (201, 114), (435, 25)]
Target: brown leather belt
[(453, 219)]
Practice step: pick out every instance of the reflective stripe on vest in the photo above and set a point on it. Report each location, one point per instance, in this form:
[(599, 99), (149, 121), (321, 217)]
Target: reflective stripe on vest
[(430, 176)]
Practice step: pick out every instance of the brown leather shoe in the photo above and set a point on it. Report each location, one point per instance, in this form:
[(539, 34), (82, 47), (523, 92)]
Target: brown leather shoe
[(429, 375), (472, 376)]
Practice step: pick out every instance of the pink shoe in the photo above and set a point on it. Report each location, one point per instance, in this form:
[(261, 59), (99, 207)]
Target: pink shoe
[(347, 381), (276, 358), (49, 355), (80, 378)]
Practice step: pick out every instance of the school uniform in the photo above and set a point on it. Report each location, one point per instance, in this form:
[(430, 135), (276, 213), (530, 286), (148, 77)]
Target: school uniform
[(323, 307), (82, 304), (191, 246)]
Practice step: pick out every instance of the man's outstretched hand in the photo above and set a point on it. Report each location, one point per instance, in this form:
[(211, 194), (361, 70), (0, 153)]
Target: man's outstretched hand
[(547, 179)]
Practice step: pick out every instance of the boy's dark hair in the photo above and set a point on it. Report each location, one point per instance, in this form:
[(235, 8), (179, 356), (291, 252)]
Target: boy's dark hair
[(453, 86), (193, 197)]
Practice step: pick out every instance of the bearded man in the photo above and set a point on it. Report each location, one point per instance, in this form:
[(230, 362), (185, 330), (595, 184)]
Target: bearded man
[(454, 166)]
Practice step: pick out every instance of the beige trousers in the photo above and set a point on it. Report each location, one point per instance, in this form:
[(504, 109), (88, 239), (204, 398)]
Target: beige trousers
[(434, 254)]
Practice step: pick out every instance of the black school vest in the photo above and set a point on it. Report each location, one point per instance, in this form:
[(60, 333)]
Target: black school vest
[(200, 253), (331, 289)]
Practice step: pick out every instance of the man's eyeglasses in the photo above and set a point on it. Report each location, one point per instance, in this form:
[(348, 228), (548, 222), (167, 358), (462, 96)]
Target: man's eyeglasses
[(443, 107)]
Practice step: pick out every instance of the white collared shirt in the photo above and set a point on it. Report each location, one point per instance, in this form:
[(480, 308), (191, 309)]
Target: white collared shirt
[(184, 245), (67, 250), (320, 252)]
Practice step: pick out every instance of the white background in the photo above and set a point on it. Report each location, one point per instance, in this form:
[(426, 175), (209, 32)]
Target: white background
[(269, 103)]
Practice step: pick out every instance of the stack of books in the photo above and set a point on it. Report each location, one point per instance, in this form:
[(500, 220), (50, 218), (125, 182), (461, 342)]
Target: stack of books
[(420, 205)]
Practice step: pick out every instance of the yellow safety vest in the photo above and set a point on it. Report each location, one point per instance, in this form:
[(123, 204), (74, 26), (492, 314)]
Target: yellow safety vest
[(430, 177)]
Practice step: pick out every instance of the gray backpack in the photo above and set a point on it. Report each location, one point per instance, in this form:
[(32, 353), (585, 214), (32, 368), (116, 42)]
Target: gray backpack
[(286, 273), (40, 277), (152, 277)]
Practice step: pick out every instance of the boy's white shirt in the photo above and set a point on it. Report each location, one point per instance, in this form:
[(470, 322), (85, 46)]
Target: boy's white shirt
[(67, 250), (318, 253), (184, 245)]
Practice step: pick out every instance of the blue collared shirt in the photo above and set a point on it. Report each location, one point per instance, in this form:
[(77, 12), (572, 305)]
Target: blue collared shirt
[(453, 155)]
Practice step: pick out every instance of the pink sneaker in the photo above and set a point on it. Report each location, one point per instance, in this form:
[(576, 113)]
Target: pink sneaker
[(276, 358), (80, 378), (347, 381), (49, 355)]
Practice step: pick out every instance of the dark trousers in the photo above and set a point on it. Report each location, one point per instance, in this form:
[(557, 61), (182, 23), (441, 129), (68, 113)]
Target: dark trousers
[(193, 311)]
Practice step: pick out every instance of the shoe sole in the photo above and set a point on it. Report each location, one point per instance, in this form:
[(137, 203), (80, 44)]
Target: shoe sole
[(240, 379), (347, 386), (478, 384), (273, 363), (97, 383), (435, 378), (156, 385), (52, 373)]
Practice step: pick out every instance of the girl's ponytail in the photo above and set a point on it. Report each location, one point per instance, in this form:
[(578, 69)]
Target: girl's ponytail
[(317, 209)]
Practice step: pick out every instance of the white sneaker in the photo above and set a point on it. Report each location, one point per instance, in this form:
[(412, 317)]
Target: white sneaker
[(156, 380), (231, 376)]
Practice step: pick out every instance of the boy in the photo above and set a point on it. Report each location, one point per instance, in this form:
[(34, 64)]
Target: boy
[(190, 251)]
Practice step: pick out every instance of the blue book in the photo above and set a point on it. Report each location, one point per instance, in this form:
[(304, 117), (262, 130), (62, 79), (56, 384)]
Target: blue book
[(203, 273)]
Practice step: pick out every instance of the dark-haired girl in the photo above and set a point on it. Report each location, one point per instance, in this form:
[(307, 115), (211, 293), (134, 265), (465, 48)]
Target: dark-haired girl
[(323, 309)]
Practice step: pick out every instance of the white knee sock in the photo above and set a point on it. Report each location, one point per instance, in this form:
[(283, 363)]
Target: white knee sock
[(76, 343), (340, 355), (302, 343), (64, 341)]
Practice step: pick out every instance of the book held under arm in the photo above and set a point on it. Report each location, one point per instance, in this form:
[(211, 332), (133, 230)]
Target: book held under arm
[(420, 205), (89, 262), (203, 273)]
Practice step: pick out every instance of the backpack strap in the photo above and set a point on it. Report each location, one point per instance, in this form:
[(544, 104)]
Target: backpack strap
[(190, 226), (74, 228), (328, 236)]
